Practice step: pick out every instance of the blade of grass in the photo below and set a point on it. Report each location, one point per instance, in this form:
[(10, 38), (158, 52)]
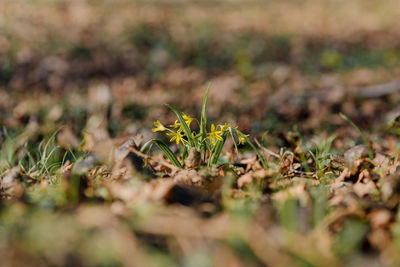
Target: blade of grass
[(203, 120), (186, 128), (165, 149), (185, 153), (145, 145), (363, 136), (315, 158), (262, 159), (234, 137)]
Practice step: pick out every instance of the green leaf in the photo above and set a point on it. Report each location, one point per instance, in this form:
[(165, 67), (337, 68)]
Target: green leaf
[(185, 153), (234, 136), (350, 238), (186, 128), (218, 148), (145, 145), (165, 149), (203, 121)]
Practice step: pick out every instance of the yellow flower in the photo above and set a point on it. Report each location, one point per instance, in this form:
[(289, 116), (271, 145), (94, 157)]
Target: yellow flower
[(177, 124), (187, 119), (224, 127), (158, 127), (177, 136), (242, 138), (214, 134)]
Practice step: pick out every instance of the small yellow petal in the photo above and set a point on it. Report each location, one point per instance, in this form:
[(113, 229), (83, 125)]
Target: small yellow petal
[(176, 124), (158, 127), (224, 127)]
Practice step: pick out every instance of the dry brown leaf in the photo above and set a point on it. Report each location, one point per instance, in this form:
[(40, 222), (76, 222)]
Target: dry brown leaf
[(67, 139), (250, 176), (298, 191), (379, 238), (362, 189), (354, 157), (188, 177), (380, 218)]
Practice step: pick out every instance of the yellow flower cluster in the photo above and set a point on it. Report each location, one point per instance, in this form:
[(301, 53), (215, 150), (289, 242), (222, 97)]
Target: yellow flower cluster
[(177, 136)]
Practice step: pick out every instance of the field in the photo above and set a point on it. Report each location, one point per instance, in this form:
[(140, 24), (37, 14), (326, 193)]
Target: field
[(199, 133)]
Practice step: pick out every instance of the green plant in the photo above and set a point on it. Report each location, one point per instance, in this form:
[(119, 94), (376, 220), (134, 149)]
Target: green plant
[(45, 161), (208, 143), (8, 151), (322, 155)]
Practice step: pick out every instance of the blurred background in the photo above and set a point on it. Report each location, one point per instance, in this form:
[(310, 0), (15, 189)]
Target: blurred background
[(278, 69), (270, 63)]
